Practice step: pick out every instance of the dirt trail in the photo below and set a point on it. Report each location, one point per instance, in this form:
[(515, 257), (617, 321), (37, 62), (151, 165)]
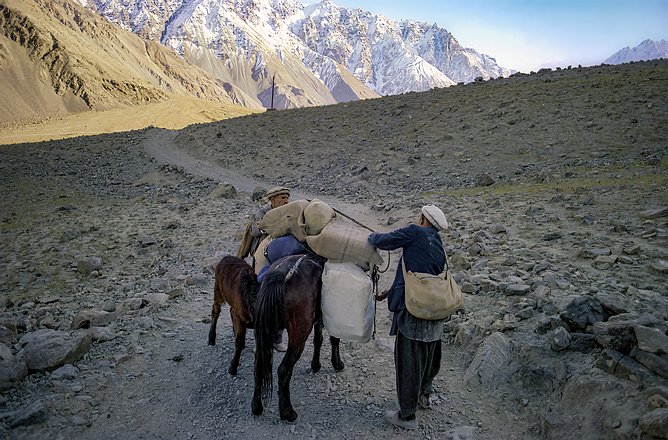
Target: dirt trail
[(185, 384)]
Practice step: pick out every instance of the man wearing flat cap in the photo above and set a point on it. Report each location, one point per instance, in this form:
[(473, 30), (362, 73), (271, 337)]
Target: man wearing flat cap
[(277, 196), (417, 346), (253, 236)]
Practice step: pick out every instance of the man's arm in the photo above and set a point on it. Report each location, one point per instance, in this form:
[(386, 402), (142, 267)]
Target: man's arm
[(392, 240), (255, 220)]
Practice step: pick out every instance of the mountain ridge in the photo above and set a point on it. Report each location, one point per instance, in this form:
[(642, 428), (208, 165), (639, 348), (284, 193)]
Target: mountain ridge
[(74, 60), (369, 46), (647, 50)]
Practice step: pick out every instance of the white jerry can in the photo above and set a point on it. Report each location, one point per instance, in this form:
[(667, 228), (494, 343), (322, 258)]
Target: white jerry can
[(347, 302)]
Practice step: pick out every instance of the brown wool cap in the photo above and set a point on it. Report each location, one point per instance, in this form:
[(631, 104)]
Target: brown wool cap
[(277, 191)]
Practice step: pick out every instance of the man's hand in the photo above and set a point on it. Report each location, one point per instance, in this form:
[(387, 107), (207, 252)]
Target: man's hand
[(382, 295)]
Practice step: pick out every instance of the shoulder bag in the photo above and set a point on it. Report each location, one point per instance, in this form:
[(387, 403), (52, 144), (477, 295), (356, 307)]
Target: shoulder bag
[(430, 296)]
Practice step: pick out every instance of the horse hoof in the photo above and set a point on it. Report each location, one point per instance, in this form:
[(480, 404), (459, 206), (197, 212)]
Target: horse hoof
[(339, 367), (256, 408), (290, 417), (232, 371), (316, 367)]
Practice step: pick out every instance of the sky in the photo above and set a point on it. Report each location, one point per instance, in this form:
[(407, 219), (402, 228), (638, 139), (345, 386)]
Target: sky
[(526, 35)]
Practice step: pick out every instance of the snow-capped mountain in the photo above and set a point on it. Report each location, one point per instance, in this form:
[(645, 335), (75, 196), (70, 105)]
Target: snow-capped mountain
[(647, 50), (319, 54)]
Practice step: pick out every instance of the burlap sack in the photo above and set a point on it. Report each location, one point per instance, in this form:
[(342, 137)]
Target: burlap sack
[(260, 259), (285, 220), (316, 216), (344, 242)]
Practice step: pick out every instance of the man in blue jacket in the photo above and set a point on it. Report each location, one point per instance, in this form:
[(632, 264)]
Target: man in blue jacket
[(417, 346)]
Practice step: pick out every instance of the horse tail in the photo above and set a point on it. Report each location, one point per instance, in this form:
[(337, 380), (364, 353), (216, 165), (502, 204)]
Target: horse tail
[(268, 317)]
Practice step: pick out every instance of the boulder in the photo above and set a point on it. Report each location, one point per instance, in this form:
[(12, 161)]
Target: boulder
[(30, 414), (88, 265), (650, 339), (46, 350), (12, 370), (224, 190), (489, 360), (91, 318), (655, 423), (618, 336), (655, 363), (581, 312), (560, 339)]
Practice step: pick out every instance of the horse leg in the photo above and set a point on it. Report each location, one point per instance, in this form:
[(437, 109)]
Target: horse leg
[(296, 343), (215, 312), (239, 344), (256, 403), (337, 363), (317, 343)]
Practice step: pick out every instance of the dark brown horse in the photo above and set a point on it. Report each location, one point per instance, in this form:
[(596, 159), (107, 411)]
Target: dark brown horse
[(236, 285), (289, 298)]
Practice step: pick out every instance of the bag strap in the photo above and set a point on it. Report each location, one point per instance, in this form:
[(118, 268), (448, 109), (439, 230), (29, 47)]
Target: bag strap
[(443, 274)]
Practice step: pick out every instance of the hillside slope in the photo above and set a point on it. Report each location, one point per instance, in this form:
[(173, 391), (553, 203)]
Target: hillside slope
[(58, 57)]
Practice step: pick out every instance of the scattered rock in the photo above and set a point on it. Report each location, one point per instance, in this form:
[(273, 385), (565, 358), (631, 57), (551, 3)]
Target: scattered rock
[(46, 350), (12, 370), (88, 265), (65, 372), (655, 423), (91, 318), (654, 213), (560, 339), (582, 312), (29, 414), (660, 266), (484, 179), (224, 191), (652, 340)]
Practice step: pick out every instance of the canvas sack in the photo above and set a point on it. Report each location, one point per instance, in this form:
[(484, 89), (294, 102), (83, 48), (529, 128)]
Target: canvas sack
[(347, 302), (316, 216), (431, 296), (259, 255), (284, 220), (342, 241)]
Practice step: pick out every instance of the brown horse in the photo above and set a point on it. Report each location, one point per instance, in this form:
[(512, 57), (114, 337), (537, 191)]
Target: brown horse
[(289, 298), (236, 285)]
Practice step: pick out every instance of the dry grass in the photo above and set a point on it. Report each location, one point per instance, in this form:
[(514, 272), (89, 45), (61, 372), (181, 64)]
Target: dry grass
[(175, 113)]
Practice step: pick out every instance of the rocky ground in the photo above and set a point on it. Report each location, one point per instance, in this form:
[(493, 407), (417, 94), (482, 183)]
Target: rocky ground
[(555, 187)]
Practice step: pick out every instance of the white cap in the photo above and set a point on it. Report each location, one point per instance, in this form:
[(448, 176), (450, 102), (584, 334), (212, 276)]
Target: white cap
[(435, 217)]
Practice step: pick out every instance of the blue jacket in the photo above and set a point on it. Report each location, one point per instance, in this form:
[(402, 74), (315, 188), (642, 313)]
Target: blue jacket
[(423, 252)]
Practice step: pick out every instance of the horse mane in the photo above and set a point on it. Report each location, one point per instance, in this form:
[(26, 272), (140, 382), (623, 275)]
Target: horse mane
[(249, 287)]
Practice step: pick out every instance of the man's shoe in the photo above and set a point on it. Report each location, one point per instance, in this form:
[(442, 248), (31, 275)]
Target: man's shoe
[(281, 346), (394, 418), (424, 402)]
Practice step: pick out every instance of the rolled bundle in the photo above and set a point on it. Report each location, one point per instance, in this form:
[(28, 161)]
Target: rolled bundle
[(344, 242), (284, 220), (316, 216), (283, 246)]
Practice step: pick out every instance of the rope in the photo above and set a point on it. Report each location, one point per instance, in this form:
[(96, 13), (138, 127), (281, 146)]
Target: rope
[(368, 228), (375, 277), (293, 269)]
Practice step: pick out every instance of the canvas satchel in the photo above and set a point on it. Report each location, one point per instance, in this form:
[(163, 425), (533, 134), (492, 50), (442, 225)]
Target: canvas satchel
[(430, 296)]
